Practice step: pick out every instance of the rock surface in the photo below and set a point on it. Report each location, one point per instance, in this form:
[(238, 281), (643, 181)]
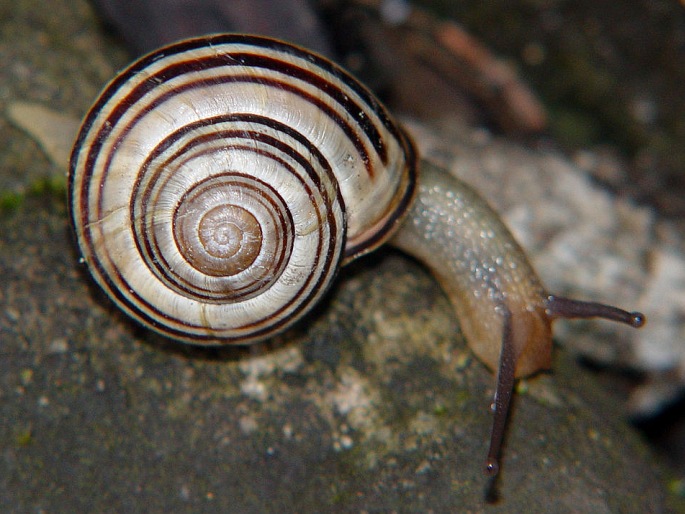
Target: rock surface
[(373, 403)]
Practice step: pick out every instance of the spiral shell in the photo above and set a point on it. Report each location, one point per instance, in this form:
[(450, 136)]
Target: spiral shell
[(217, 184)]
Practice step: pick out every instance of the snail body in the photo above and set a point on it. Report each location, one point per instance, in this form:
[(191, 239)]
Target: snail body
[(217, 185)]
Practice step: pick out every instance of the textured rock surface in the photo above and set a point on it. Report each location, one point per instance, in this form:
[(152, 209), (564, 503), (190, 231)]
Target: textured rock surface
[(373, 403)]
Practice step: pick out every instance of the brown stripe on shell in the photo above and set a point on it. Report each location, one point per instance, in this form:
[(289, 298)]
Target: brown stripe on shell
[(287, 49), (253, 119), (356, 112), (318, 103), (228, 59), (200, 43), (148, 248), (376, 235), (135, 306)]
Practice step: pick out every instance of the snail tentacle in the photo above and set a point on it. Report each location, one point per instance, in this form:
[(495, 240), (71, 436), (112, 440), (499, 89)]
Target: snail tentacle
[(503, 394), (560, 307)]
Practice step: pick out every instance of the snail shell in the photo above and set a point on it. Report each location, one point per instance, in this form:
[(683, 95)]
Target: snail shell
[(217, 186)]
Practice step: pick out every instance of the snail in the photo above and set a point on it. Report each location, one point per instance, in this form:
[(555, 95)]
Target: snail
[(217, 185)]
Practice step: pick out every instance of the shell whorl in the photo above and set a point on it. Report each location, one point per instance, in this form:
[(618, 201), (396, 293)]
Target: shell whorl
[(196, 156)]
